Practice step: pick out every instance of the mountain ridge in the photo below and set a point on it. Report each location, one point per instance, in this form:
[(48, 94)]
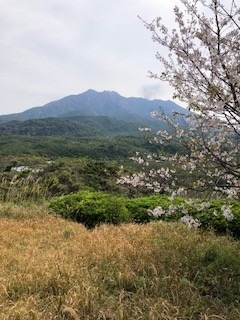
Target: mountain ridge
[(93, 103)]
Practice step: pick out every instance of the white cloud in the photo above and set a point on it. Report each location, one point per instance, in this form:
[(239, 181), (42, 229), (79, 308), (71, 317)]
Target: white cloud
[(52, 48)]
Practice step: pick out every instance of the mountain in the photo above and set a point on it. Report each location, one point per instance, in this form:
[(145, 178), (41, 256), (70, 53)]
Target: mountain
[(93, 103), (82, 126)]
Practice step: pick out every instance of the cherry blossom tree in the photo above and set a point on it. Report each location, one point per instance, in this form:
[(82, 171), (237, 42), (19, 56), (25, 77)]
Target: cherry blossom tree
[(203, 67)]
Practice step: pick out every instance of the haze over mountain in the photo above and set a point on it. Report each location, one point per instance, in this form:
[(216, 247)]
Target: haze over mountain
[(93, 103)]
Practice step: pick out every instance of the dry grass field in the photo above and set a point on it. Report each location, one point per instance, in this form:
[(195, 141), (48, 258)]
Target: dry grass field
[(55, 269)]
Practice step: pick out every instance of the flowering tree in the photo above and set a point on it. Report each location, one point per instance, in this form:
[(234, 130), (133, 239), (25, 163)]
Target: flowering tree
[(203, 67)]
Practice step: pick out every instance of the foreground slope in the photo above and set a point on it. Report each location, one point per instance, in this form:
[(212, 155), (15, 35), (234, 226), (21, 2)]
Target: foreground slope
[(54, 269)]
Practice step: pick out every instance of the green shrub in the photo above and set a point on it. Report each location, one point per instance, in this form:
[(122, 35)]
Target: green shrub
[(213, 218), (91, 208), (209, 215), (138, 208)]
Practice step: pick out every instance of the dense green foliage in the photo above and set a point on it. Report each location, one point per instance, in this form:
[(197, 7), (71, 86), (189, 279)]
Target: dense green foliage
[(91, 208), (83, 207), (120, 147), (84, 126), (210, 217), (139, 206), (213, 218)]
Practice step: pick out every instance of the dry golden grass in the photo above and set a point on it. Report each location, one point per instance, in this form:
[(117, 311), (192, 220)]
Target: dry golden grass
[(23, 188), (56, 269)]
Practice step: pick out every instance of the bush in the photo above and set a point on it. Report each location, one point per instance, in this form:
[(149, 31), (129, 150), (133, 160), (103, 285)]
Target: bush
[(91, 208), (208, 214), (138, 207), (213, 218)]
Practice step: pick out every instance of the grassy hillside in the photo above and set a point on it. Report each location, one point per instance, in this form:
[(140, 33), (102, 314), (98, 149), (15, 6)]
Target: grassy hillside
[(55, 269)]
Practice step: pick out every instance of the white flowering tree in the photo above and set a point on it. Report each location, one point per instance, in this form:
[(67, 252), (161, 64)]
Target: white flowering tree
[(203, 67)]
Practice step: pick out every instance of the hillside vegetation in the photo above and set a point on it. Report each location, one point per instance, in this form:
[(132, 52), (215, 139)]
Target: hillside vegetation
[(119, 147), (54, 268), (76, 244), (84, 126)]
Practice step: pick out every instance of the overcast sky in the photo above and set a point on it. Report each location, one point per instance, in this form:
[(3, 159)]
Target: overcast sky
[(53, 48)]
